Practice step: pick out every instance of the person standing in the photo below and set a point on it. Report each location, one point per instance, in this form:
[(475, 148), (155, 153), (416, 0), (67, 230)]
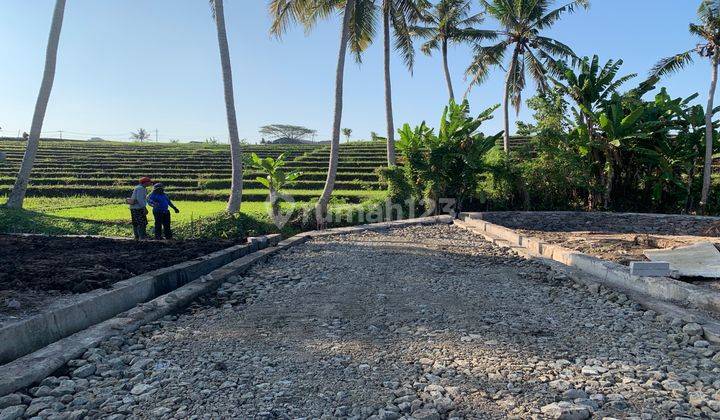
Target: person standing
[(138, 208), (161, 205)]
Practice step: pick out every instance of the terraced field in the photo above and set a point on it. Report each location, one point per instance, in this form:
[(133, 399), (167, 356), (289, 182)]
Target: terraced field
[(89, 180)]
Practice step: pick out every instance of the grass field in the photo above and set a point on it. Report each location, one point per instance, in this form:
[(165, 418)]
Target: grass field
[(79, 187)]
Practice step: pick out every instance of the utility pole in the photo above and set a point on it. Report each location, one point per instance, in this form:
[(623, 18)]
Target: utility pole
[(156, 135), (60, 134)]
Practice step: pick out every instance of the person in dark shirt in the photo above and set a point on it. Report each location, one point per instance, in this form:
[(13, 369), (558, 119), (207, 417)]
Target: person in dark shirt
[(161, 204)]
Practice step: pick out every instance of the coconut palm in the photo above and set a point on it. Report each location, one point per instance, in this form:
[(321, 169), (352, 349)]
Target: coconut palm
[(235, 199), (140, 136), (449, 21), (708, 30), (307, 13), (522, 22), (17, 195), (347, 132), (400, 14)]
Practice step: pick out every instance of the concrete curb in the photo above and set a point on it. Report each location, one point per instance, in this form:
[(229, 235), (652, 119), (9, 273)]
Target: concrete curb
[(668, 295), (31, 368), (649, 215), (22, 337), (34, 367)]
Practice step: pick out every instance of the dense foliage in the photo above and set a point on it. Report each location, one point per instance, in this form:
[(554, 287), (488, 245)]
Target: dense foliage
[(449, 164), (593, 147), (596, 148)]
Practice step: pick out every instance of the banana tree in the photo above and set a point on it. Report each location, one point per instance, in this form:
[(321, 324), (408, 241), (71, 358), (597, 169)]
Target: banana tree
[(275, 179), (448, 164), (619, 128)]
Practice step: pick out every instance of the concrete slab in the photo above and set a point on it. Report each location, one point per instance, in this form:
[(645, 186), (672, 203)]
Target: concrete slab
[(698, 260)]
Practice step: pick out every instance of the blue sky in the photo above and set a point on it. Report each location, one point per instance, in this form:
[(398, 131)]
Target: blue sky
[(125, 64)]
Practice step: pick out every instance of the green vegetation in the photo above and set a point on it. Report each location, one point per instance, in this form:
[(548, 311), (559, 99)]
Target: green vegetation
[(79, 187), (597, 148), (447, 164)]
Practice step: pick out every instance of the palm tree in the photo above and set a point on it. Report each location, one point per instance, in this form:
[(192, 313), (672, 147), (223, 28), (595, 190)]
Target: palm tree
[(307, 13), (400, 14), (709, 32), (140, 136), (449, 21), (522, 22), (347, 132), (236, 184), (17, 195)]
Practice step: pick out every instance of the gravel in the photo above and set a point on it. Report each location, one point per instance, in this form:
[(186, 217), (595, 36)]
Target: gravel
[(424, 322)]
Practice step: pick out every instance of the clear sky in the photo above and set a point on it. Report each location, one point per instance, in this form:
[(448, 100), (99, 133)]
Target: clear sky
[(126, 64)]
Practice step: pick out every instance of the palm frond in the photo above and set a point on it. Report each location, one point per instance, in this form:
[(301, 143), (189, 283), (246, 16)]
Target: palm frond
[(537, 70), (675, 63), (363, 22), (403, 39), (484, 60), (550, 18), (286, 13), (556, 48)]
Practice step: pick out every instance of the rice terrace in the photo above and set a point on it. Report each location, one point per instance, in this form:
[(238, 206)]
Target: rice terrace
[(360, 209)]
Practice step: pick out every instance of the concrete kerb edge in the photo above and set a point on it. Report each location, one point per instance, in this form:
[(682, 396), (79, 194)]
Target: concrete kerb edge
[(23, 337), (33, 367), (676, 295)]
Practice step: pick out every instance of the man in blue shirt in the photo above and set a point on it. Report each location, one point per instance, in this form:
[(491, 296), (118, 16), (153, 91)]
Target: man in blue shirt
[(161, 204)]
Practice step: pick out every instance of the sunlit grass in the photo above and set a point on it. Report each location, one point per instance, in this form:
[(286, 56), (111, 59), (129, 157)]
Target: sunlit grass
[(189, 210)]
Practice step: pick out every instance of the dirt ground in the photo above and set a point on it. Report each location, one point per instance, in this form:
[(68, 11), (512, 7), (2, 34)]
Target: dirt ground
[(621, 248), (618, 237), (37, 270)]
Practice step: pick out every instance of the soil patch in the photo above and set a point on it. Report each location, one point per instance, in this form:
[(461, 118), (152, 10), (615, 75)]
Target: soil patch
[(621, 248), (604, 222), (618, 237), (37, 270)]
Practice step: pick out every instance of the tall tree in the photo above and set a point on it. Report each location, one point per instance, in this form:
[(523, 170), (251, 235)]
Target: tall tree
[(399, 14), (708, 30), (307, 13), (449, 21), (522, 22), (17, 195), (236, 185)]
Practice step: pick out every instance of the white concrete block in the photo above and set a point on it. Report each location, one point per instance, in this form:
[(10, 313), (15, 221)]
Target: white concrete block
[(650, 268)]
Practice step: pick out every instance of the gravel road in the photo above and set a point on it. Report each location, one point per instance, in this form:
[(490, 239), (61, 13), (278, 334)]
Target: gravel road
[(423, 322)]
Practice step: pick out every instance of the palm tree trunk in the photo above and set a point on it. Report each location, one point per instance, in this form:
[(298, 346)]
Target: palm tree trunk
[(388, 86), (236, 186), (447, 70), (17, 195), (321, 206), (707, 169), (506, 102)]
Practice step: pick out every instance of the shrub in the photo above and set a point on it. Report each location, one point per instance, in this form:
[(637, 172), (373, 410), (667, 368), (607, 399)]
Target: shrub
[(449, 164)]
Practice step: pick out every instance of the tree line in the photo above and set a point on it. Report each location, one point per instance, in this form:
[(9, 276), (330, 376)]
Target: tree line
[(520, 47)]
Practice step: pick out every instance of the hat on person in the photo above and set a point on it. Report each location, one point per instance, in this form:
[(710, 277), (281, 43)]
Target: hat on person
[(158, 186), (145, 180)]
